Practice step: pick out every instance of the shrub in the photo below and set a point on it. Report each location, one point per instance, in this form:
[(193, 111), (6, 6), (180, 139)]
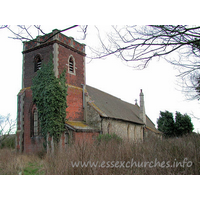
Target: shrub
[(7, 141), (109, 137)]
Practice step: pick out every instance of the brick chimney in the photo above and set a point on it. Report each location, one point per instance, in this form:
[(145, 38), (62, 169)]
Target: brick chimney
[(142, 108)]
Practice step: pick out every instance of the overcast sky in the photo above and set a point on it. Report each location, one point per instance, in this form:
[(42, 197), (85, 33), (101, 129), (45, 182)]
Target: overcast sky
[(111, 75)]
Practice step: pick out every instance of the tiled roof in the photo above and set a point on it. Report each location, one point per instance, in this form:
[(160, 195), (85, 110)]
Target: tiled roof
[(112, 107), (79, 126)]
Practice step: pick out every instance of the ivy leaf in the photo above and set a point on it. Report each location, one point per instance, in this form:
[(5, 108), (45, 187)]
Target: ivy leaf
[(49, 95)]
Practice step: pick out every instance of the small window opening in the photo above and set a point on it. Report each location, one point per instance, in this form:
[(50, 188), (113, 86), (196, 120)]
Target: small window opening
[(38, 63)]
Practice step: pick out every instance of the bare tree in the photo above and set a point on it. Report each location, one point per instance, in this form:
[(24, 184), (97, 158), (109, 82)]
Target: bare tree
[(7, 129), (7, 125), (29, 32), (3, 26), (143, 43), (138, 45)]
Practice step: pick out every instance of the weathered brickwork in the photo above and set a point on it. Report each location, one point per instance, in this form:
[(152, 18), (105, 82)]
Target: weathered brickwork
[(17, 141), (78, 78), (75, 104), (28, 70), (42, 41), (84, 137), (31, 144)]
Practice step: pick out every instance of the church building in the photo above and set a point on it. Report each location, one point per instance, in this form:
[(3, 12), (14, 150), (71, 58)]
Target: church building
[(90, 112)]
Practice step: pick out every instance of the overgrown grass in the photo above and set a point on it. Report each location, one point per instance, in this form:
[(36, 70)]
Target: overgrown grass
[(166, 157), (33, 168), (12, 163)]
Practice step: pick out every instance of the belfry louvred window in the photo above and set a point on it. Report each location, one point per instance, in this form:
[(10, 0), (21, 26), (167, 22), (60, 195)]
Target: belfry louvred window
[(38, 62), (71, 65)]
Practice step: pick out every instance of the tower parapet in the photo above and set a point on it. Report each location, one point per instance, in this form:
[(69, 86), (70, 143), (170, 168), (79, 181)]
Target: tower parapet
[(54, 36)]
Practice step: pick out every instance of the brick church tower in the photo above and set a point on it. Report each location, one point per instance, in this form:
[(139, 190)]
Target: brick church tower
[(67, 54)]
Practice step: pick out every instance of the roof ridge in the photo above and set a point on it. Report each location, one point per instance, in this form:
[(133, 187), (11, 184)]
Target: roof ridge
[(103, 92), (114, 107), (113, 96), (137, 106)]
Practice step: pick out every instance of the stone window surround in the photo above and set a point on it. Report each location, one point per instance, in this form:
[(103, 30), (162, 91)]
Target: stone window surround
[(74, 65)]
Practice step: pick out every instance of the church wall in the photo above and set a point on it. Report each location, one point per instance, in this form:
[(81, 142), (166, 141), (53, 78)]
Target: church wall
[(139, 133), (124, 129), (31, 144), (93, 117), (84, 137), (148, 133), (108, 125), (75, 104), (75, 92), (61, 48), (63, 56), (20, 120), (111, 126)]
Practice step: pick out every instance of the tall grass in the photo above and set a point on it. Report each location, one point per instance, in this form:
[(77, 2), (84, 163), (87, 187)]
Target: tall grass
[(173, 151), (12, 163), (110, 153)]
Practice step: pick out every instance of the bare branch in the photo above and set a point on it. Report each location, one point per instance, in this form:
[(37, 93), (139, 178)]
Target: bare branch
[(39, 29), (18, 36), (138, 45), (7, 125), (24, 32), (84, 31), (145, 43), (26, 29), (3, 26), (66, 29)]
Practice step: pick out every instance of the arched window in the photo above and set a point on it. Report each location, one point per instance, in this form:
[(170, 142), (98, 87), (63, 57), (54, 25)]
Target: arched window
[(35, 123), (71, 65), (109, 128), (37, 62)]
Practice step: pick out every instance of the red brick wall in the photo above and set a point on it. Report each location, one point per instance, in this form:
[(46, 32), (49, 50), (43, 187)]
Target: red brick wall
[(74, 98), (84, 137), (62, 140), (33, 144), (29, 73), (75, 104), (63, 56), (19, 96), (17, 141)]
